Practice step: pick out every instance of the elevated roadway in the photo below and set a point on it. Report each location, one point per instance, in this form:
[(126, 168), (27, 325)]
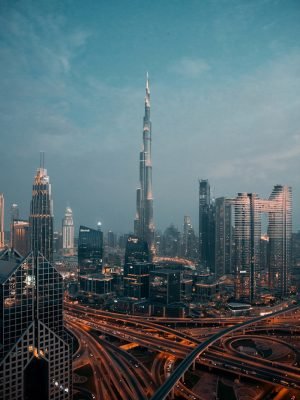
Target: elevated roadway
[(179, 372)]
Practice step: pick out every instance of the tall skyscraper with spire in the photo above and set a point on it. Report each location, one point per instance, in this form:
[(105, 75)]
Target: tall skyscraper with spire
[(143, 223), (35, 348), (41, 214)]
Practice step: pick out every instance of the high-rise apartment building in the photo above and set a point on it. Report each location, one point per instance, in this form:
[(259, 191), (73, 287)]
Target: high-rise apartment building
[(1, 221), (90, 250), (41, 215), (280, 239), (223, 237), (206, 227), (35, 352), (144, 223), (189, 240), (68, 232), (247, 233)]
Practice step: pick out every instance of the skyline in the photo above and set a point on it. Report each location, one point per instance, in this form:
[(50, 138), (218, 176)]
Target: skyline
[(225, 99)]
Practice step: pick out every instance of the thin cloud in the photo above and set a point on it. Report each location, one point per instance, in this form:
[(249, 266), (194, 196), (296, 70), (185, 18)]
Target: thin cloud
[(190, 67)]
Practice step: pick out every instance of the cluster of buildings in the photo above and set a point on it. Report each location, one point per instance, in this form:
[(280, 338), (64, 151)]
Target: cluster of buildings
[(160, 274), (231, 240)]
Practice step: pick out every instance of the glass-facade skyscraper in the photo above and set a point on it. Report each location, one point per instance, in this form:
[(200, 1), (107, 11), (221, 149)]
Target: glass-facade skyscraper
[(206, 227), (280, 239), (223, 237), (41, 215), (90, 250), (248, 208), (137, 268), (35, 351)]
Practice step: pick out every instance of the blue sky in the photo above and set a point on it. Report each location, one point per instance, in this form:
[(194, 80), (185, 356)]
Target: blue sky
[(225, 96)]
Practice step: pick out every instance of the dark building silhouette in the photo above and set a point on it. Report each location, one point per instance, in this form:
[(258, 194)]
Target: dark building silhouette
[(206, 227), (171, 242), (223, 237), (165, 286), (90, 250), (137, 268), (189, 240), (137, 250)]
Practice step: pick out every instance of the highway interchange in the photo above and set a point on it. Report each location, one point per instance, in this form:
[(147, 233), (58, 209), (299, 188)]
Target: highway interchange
[(113, 346)]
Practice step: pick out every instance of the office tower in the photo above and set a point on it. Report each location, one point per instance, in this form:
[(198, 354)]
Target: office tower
[(189, 241), (247, 235), (137, 250), (165, 286), (206, 227), (248, 257), (90, 250), (14, 215), (41, 215), (280, 239), (20, 236), (1, 221), (136, 268), (143, 223), (68, 232), (223, 237), (35, 355)]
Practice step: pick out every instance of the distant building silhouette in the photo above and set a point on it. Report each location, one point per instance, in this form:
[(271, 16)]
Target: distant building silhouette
[(137, 268), (223, 237), (206, 227)]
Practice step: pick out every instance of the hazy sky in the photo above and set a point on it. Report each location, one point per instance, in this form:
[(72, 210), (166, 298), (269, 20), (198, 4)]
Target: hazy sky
[(225, 102)]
